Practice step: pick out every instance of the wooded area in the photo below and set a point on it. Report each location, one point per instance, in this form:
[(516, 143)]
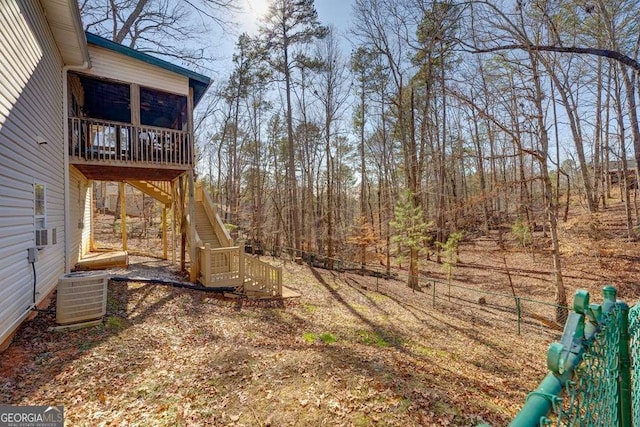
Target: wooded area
[(442, 118)]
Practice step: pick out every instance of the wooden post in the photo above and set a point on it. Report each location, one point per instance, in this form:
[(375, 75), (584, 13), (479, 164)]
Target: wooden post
[(191, 152), (164, 232), (174, 198), (92, 219), (135, 150), (183, 219), (241, 265), (206, 265), (198, 192), (279, 281), (193, 249), (123, 215)]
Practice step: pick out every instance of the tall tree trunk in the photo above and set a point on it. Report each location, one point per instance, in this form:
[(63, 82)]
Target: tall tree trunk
[(623, 175), (330, 203), (363, 165), (606, 148), (597, 166), (480, 162), (550, 201), (571, 109), (291, 164), (630, 89)]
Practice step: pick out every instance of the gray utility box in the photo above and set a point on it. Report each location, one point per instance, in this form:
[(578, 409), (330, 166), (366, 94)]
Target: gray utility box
[(82, 296)]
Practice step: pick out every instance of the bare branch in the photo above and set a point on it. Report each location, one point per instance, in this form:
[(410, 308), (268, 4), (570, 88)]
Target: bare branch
[(605, 53)]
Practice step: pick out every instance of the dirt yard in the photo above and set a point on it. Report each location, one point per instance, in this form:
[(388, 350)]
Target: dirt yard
[(353, 350)]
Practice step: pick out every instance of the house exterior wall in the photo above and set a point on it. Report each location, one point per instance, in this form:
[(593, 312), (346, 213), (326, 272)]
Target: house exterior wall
[(80, 208), (31, 102), (115, 66)]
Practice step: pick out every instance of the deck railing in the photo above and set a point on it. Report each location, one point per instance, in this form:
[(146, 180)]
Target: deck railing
[(263, 278), (220, 267), (230, 267), (104, 141)]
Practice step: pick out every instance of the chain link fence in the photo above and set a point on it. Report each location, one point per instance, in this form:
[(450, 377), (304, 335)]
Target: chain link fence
[(634, 354), (592, 398), (523, 313), (594, 377), (593, 370)]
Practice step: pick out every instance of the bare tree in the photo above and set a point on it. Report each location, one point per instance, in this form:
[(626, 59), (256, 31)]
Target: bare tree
[(287, 25), (382, 28), (162, 27), (332, 92)]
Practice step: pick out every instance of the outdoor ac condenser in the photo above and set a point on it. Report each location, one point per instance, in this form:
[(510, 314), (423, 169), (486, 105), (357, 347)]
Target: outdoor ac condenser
[(82, 296)]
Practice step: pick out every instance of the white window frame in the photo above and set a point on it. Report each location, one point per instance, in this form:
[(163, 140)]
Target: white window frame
[(39, 216)]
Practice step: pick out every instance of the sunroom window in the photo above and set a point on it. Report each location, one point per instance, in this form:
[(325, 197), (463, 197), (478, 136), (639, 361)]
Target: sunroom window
[(106, 100), (162, 109)]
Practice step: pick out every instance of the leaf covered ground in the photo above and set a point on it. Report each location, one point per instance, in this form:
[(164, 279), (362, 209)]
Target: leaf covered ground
[(352, 350)]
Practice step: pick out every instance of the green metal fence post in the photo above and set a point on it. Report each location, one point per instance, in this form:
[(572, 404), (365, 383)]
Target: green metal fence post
[(562, 358), (518, 309), (624, 386)]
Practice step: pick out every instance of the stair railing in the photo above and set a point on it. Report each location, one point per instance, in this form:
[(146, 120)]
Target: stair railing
[(263, 278), (218, 226), (159, 190), (221, 267), (230, 266)]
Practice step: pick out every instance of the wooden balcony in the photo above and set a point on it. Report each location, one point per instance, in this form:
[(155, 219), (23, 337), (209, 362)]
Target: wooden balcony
[(113, 151)]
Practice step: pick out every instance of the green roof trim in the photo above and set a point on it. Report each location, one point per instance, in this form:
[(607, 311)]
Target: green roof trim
[(200, 83)]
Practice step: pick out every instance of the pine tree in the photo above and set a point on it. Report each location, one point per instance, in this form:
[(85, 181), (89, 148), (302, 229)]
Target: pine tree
[(411, 233)]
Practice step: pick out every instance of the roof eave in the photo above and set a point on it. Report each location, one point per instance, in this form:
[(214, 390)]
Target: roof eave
[(82, 40), (196, 80), (63, 17)]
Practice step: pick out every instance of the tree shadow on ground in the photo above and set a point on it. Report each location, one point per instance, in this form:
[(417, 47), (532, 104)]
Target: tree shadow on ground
[(415, 381)]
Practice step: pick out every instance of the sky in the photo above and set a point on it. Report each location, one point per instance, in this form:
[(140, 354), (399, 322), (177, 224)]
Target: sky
[(330, 12), (337, 12)]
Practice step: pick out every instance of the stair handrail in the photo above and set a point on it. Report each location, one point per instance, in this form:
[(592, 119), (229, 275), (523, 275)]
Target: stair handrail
[(163, 186), (212, 213), (259, 277), (212, 270), (267, 277)]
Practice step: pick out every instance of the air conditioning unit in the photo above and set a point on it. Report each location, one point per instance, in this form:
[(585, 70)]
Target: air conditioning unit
[(42, 237), (82, 296)]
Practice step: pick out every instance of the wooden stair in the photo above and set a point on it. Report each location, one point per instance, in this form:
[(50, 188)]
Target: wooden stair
[(220, 264), (160, 191), (204, 228)]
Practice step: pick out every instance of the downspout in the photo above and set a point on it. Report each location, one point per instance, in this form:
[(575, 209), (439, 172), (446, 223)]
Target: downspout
[(67, 203)]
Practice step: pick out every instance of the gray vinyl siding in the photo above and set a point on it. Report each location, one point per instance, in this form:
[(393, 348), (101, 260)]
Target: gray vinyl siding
[(30, 107), (79, 215), (115, 66)]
